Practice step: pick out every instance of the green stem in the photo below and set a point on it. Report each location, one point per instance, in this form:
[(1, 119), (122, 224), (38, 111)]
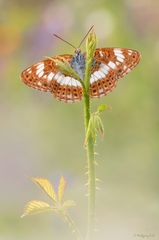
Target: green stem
[(90, 49), (91, 171), (67, 69)]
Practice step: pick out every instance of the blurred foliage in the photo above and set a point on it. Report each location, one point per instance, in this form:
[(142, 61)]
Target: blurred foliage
[(43, 137)]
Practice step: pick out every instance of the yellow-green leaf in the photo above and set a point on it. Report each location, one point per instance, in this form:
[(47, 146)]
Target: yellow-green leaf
[(99, 125), (66, 68), (46, 186), (34, 207), (68, 204), (91, 130), (61, 188), (102, 107)]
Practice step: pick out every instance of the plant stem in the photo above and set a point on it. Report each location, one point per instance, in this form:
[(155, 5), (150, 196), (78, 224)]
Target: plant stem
[(90, 49), (91, 171), (66, 68)]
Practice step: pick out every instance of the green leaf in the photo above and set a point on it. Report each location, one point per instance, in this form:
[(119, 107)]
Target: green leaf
[(91, 131), (99, 125), (35, 207), (66, 69), (102, 108), (61, 188), (90, 50), (91, 44), (95, 126), (46, 186)]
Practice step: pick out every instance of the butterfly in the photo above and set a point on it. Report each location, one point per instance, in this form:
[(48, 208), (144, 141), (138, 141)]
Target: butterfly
[(109, 65)]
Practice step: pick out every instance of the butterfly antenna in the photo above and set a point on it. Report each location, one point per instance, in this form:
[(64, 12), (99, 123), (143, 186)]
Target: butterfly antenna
[(86, 36), (64, 40)]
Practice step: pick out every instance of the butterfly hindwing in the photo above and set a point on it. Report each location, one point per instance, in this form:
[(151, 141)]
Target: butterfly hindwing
[(46, 76), (110, 65)]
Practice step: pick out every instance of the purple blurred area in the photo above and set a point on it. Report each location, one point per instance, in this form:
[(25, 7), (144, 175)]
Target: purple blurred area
[(39, 38)]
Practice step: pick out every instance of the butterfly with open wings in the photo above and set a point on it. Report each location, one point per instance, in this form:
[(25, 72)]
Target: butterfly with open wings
[(108, 66)]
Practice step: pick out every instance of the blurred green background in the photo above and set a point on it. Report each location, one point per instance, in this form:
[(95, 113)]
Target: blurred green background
[(40, 136)]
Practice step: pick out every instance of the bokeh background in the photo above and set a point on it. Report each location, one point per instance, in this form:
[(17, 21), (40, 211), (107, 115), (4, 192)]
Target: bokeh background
[(41, 137)]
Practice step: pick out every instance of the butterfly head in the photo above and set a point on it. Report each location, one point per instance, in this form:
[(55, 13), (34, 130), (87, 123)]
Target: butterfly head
[(77, 51)]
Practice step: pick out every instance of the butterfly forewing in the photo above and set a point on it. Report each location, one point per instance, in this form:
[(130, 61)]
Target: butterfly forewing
[(40, 75), (46, 76), (110, 65)]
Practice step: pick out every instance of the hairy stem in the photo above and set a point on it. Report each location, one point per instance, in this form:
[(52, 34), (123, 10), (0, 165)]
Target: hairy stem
[(90, 48), (66, 68), (91, 172)]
